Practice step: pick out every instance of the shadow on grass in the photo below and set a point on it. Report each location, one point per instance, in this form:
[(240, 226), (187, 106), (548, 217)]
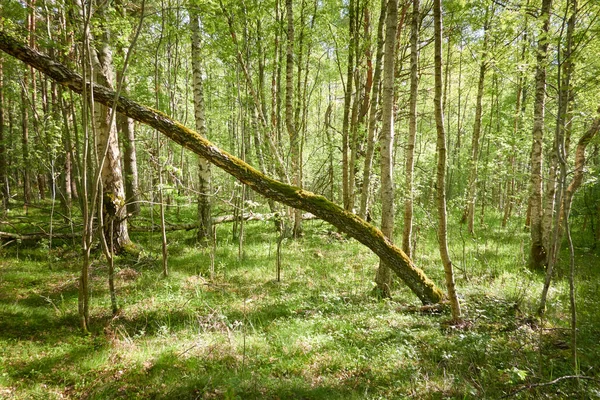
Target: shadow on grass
[(49, 366), (217, 376)]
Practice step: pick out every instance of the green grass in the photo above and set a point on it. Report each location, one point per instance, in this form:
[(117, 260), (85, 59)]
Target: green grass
[(317, 334)]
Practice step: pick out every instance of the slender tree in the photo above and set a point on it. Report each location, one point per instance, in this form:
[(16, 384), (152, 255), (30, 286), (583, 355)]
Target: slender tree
[(412, 130), (347, 107), (375, 91), (510, 192), (291, 126), (3, 173), (469, 213), (538, 257), (383, 277), (565, 72), (204, 175), (441, 163)]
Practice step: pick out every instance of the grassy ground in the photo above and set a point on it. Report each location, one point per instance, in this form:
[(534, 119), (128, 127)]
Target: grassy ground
[(316, 334)]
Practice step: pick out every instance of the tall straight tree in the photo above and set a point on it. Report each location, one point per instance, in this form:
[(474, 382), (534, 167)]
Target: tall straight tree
[(538, 257), (3, 176), (204, 204), (510, 201), (24, 110), (412, 130), (441, 162), (383, 277), (290, 125), (375, 89), (347, 105), (469, 213), (563, 125)]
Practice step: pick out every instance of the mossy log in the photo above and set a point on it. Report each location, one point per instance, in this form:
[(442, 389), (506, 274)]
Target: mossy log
[(394, 257)]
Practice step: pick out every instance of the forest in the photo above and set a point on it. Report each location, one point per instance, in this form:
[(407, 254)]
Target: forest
[(308, 199)]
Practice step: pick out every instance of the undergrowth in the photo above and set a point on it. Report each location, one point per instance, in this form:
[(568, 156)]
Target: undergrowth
[(316, 334)]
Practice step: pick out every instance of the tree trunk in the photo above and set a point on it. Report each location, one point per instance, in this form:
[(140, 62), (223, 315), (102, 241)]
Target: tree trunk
[(65, 162), (469, 214), (204, 233), (412, 130), (268, 134), (25, 146), (441, 163), (292, 128), (126, 127), (538, 257), (3, 171), (366, 187), (384, 278), (107, 147), (564, 194), (347, 106), (510, 192), (365, 233)]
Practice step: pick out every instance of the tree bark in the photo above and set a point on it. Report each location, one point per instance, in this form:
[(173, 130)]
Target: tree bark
[(565, 194), (126, 127), (347, 105), (384, 278), (412, 130), (113, 191), (3, 171), (469, 214), (366, 188), (510, 198), (269, 136), (291, 126), (538, 257), (292, 196), (441, 163), (204, 233), (25, 146)]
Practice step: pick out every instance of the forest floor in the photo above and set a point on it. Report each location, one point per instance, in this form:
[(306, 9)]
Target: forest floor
[(319, 333)]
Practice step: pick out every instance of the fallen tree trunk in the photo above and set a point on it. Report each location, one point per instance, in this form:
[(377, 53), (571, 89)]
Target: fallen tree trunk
[(292, 196), (37, 236)]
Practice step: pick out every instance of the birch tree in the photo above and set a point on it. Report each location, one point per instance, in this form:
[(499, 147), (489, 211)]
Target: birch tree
[(441, 163), (383, 277), (204, 175), (412, 130), (538, 257)]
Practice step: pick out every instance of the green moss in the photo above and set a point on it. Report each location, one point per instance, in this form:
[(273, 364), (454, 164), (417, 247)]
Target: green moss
[(131, 249)]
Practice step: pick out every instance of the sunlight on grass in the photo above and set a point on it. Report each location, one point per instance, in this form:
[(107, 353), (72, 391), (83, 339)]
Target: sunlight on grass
[(318, 333)]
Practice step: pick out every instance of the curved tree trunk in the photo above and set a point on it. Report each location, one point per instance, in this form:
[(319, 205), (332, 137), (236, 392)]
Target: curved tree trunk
[(292, 196)]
